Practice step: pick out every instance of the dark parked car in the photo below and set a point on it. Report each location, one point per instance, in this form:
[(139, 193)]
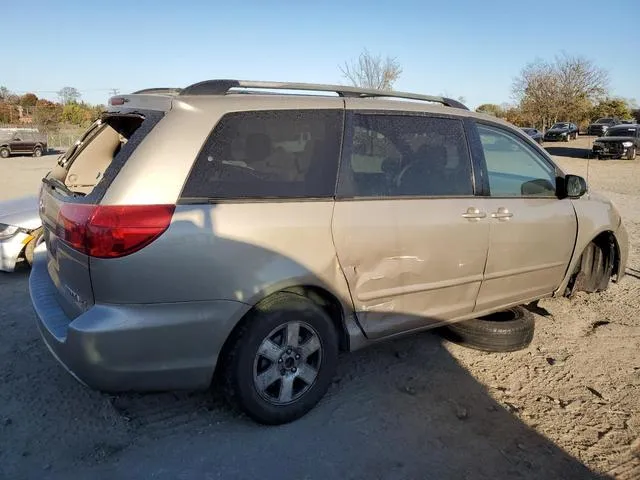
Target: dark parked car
[(535, 134), (23, 141), (600, 126), (621, 141), (561, 132)]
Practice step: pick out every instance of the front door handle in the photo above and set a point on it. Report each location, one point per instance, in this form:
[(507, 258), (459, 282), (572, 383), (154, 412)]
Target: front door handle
[(502, 213), (473, 213)]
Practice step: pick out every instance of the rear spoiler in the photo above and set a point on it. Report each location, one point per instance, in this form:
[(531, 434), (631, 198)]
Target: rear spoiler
[(144, 101)]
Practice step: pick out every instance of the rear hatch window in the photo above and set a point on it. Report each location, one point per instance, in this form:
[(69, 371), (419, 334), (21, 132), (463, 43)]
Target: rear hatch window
[(98, 155), (69, 202)]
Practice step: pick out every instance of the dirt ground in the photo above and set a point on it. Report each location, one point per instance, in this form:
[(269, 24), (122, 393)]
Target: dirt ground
[(568, 406)]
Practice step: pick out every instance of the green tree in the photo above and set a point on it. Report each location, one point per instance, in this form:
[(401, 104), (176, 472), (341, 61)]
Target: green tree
[(73, 113), (491, 109), (612, 107)]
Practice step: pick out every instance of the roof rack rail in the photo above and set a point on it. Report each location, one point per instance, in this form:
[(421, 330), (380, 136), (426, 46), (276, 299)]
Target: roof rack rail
[(161, 90), (222, 87)]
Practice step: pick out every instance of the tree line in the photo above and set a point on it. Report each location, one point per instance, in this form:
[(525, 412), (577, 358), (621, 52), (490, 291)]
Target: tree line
[(45, 114), (569, 88)]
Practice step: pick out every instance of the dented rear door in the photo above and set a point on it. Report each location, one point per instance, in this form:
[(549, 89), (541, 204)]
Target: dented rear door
[(412, 256)]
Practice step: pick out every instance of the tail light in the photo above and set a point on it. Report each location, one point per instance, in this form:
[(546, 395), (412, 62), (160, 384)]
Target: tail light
[(112, 231)]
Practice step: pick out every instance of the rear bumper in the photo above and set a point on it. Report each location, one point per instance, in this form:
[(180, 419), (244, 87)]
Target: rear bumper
[(133, 347), (11, 249)]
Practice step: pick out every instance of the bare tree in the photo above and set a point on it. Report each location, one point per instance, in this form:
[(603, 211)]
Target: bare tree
[(68, 95), (537, 90), (564, 89), (582, 84), (372, 71)]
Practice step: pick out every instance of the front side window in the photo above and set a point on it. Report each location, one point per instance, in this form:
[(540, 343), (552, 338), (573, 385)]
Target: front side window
[(269, 154), (515, 169), (405, 155)]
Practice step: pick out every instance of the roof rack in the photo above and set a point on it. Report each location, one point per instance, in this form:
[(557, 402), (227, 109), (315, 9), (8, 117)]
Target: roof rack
[(161, 90), (222, 87)]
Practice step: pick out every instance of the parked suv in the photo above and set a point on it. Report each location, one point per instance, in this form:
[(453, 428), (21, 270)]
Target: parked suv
[(215, 228), (600, 126), (21, 142)]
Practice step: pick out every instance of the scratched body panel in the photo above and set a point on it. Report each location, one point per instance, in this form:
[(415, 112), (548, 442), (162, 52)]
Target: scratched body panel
[(410, 263)]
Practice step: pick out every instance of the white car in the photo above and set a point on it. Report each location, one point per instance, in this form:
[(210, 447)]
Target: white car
[(20, 231)]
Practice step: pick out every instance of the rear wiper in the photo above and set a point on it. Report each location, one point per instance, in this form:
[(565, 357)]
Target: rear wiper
[(57, 184)]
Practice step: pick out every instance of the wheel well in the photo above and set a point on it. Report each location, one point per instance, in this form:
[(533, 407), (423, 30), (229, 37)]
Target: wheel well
[(330, 304), (588, 276), (321, 297)]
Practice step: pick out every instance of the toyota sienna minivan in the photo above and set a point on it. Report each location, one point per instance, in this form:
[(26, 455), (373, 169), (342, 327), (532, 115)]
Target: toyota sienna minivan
[(237, 228)]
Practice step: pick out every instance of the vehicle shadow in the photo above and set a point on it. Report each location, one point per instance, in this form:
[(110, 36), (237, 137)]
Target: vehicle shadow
[(401, 409), (567, 151)]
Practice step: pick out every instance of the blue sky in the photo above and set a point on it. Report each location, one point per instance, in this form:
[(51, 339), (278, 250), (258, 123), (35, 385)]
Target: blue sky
[(457, 48)]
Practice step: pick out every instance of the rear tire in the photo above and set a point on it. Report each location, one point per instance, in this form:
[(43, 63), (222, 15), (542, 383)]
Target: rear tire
[(4, 152), (274, 374), (37, 152), (506, 331)]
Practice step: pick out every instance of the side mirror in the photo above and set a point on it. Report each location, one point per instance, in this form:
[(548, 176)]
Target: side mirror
[(575, 186)]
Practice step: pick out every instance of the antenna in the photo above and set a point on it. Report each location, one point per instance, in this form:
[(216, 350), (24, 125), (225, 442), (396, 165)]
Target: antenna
[(589, 155)]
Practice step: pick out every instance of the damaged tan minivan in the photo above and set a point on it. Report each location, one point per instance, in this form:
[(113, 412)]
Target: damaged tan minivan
[(239, 228)]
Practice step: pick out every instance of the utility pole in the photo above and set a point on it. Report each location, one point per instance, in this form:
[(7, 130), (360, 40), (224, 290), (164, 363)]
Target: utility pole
[(113, 92)]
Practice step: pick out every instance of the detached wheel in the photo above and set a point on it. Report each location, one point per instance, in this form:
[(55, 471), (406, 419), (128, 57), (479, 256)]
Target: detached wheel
[(4, 152), (37, 152), (631, 153), (505, 331), (282, 359)]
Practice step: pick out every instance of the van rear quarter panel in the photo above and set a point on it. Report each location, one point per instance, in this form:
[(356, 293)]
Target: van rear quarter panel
[(228, 251)]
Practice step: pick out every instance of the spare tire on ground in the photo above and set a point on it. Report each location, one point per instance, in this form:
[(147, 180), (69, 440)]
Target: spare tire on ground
[(505, 331)]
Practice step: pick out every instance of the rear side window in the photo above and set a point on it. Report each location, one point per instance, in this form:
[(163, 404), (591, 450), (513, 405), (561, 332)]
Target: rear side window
[(405, 155), (269, 154), (96, 158)]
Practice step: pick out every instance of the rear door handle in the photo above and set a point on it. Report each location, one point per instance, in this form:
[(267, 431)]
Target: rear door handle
[(502, 213), (473, 213)]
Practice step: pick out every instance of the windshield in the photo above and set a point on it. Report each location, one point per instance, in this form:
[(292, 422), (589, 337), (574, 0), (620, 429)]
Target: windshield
[(621, 132), (561, 125), (604, 120)]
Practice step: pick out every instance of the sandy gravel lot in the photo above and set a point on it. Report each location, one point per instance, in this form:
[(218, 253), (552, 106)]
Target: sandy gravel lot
[(566, 407)]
